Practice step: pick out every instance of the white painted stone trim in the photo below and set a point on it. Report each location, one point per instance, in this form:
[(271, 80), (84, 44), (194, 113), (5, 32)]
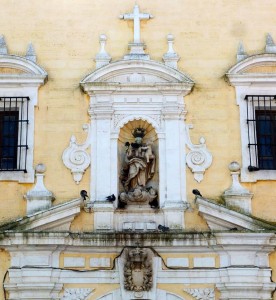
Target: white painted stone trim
[(74, 262)]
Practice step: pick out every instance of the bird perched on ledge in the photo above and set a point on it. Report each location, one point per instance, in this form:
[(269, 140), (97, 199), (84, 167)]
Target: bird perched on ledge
[(84, 194), (111, 198), (163, 228), (196, 192)]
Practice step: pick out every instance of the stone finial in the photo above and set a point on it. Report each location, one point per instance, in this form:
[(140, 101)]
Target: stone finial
[(102, 58), (171, 57), (241, 54), (237, 195), (39, 198), (270, 46), (3, 46), (30, 54)]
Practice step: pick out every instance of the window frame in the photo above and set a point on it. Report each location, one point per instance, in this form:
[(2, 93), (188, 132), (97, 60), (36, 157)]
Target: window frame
[(25, 81), (247, 83)]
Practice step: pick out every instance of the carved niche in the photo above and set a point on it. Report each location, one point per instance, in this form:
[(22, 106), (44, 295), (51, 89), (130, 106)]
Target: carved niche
[(138, 270), (138, 165)]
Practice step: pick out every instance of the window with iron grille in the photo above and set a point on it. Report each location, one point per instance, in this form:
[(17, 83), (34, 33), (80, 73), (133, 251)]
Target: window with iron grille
[(261, 122), (13, 133)]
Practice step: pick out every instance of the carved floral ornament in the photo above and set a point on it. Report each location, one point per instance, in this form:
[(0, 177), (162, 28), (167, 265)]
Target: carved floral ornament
[(202, 294), (76, 294)]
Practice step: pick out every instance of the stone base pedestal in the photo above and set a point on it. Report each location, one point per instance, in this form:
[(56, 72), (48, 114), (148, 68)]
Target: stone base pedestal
[(103, 215), (138, 218), (174, 214), (240, 201)]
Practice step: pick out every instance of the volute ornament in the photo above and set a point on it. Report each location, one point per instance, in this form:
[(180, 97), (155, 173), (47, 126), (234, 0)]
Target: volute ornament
[(75, 156)]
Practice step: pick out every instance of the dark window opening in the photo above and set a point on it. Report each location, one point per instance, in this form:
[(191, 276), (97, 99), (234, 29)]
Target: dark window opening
[(13, 133), (261, 121)]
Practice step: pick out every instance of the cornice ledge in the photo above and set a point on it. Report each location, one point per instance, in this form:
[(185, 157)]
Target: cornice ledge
[(56, 218), (252, 78), (219, 217)]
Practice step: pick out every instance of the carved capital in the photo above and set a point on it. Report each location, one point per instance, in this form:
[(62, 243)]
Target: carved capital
[(76, 158)]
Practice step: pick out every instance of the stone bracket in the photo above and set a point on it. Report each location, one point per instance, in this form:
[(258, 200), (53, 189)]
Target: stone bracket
[(75, 156), (198, 158)]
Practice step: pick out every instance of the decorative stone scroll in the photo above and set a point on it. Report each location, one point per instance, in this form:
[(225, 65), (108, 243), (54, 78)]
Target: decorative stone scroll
[(75, 156), (201, 294), (76, 294), (198, 158)]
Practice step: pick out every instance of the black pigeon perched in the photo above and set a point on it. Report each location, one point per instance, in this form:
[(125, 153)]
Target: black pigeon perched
[(154, 203), (111, 198), (84, 194), (163, 228), (196, 192)]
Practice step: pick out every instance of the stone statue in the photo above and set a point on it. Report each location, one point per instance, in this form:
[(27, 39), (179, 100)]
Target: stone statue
[(138, 168)]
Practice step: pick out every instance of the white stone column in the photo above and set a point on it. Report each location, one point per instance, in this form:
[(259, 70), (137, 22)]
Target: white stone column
[(101, 161), (175, 198), (162, 169)]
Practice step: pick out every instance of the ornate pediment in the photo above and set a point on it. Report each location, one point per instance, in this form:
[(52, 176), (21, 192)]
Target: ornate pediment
[(136, 72)]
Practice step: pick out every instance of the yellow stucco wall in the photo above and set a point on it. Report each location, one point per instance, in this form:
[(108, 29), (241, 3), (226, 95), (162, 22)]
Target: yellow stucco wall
[(65, 36), (66, 41)]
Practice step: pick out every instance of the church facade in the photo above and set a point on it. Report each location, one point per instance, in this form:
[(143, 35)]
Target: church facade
[(138, 150)]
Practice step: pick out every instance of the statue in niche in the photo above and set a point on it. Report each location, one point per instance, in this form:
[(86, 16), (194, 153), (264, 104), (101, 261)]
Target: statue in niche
[(138, 270), (138, 168)]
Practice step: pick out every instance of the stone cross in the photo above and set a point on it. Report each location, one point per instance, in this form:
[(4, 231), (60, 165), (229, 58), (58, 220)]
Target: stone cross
[(136, 16)]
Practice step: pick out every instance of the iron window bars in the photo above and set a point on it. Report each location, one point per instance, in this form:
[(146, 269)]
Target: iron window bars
[(14, 133), (261, 123)]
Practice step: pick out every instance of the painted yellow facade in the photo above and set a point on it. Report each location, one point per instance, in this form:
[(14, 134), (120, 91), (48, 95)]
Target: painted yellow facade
[(65, 35)]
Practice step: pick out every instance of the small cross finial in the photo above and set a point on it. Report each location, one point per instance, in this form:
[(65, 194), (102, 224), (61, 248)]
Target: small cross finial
[(136, 47), (136, 16)]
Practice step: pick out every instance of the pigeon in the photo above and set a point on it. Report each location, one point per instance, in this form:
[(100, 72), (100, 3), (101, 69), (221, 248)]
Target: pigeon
[(84, 194), (163, 228), (154, 203), (111, 198), (196, 192)]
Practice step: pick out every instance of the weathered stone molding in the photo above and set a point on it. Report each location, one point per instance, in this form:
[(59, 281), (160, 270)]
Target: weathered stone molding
[(75, 156)]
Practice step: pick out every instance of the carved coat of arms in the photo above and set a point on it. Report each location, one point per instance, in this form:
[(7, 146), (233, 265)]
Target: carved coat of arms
[(138, 270)]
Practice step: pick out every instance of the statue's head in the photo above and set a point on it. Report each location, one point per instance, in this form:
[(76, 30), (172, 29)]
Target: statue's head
[(138, 140)]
